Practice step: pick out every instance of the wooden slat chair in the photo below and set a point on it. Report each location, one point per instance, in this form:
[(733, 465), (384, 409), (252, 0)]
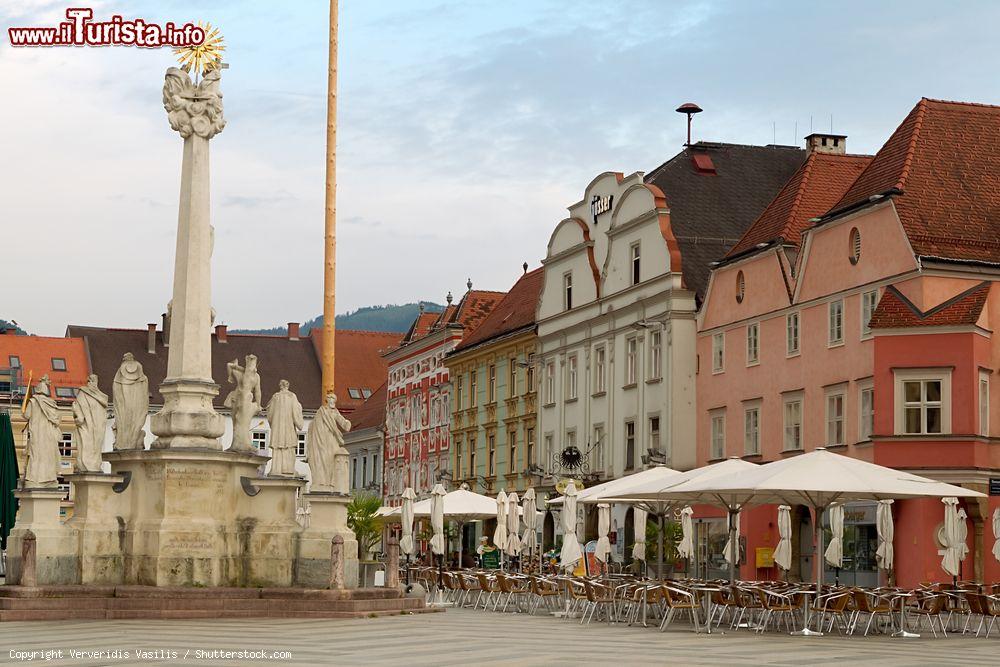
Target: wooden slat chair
[(542, 592), (984, 606), (869, 602), (723, 603), (488, 590), (776, 606), (678, 600), (511, 590), (930, 607), (576, 595), (599, 597)]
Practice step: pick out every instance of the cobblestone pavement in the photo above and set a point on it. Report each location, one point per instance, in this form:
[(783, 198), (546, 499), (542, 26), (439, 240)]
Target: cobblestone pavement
[(463, 637)]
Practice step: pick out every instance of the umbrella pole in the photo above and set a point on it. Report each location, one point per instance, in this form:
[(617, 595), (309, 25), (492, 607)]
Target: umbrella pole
[(734, 545), (659, 549), (818, 541)]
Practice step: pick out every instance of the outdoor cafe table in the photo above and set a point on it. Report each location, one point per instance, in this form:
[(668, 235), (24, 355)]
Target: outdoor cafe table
[(901, 597), (706, 590)]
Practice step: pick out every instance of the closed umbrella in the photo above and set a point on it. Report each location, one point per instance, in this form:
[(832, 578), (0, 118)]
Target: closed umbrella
[(884, 527), (500, 532), (437, 520), (834, 553), (571, 552), (996, 533), (529, 515), (513, 545), (8, 479), (686, 547), (783, 552), (406, 541), (603, 548), (963, 538), (951, 561), (731, 551), (639, 518)]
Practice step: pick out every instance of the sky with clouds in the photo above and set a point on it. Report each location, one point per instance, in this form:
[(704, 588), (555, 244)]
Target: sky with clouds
[(466, 129)]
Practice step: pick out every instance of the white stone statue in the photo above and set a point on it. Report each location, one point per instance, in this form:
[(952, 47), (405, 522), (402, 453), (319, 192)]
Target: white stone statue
[(324, 442), (244, 400), (90, 412), (131, 404), (42, 414), (193, 109), (284, 415)]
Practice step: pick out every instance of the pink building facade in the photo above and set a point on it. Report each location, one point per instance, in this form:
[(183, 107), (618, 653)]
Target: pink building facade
[(856, 315)]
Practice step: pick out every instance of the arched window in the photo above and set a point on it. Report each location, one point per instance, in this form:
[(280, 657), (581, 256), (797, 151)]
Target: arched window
[(855, 249), (741, 287)]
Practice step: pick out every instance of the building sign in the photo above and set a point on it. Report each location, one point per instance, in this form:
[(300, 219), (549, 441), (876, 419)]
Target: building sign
[(765, 557), (599, 205), (995, 486)]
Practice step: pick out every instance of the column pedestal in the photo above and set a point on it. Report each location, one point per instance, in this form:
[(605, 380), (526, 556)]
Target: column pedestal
[(188, 419), (56, 544), (327, 518), (96, 514), (271, 530)]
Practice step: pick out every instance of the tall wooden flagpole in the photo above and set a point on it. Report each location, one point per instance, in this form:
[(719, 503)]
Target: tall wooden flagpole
[(330, 247)]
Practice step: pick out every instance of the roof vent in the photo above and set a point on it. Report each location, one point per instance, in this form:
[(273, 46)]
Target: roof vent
[(819, 142), (703, 163)]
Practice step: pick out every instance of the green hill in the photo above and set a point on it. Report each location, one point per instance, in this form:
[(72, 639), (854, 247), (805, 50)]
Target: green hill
[(392, 317)]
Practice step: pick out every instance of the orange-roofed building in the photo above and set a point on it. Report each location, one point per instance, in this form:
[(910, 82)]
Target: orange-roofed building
[(858, 314), (365, 442), (25, 359), (418, 402)]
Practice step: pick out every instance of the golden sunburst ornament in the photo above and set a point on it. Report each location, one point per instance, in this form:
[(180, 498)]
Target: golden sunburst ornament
[(205, 57)]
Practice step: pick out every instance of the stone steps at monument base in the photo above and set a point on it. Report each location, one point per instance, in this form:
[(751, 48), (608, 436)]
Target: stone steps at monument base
[(147, 602)]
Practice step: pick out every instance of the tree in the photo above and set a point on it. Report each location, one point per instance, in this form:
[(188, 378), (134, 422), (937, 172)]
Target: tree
[(361, 518)]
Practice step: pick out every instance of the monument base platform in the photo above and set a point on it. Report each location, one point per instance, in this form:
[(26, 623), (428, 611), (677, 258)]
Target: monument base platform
[(55, 603)]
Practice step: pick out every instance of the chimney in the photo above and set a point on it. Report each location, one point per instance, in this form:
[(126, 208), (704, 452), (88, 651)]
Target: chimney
[(151, 338), (293, 331), (820, 142), (220, 333), (166, 329)]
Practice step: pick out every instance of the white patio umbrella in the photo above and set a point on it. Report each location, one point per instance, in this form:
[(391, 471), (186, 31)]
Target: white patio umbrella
[(603, 548), (783, 552), (437, 520), (513, 545), (731, 551), (686, 548), (660, 496), (600, 493), (529, 515), (884, 527), (996, 533), (571, 552), (963, 534), (406, 544), (500, 532), (834, 553), (951, 561), (639, 518)]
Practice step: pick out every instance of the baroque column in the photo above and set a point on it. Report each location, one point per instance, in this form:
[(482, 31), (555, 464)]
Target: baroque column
[(188, 418)]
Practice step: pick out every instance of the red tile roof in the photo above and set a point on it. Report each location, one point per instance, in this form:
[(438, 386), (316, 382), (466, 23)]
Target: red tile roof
[(515, 311), (372, 413), (474, 307), (36, 354), (422, 325), (359, 362), (894, 310), (817, 185), (942, 165)]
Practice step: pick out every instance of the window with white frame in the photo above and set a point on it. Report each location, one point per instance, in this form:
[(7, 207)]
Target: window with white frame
[(792, 333), (629, 445), (868, 302), (718, 418), (866, 413), (512, 450), (550, 382), (529, 376), (654, 433), (634, 253), (793, 423), (529, 446), (491, 386), (984, 403), (568, 291), (597, 455), (549, 444), (835, 418), (66, 444), (259, 439), (571, 378), (631, 345), (753, 343), (751, 430), (655, 355), (459, 457), (460, 392), (300, 444), (600, 369), (920, 404), (835, 322), (491, 454), (364, 471), (719, 352), (512, 377), (472, 456), (473, 381)]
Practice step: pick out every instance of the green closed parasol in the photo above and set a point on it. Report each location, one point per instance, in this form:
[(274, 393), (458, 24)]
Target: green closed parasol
[(8, 479)]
